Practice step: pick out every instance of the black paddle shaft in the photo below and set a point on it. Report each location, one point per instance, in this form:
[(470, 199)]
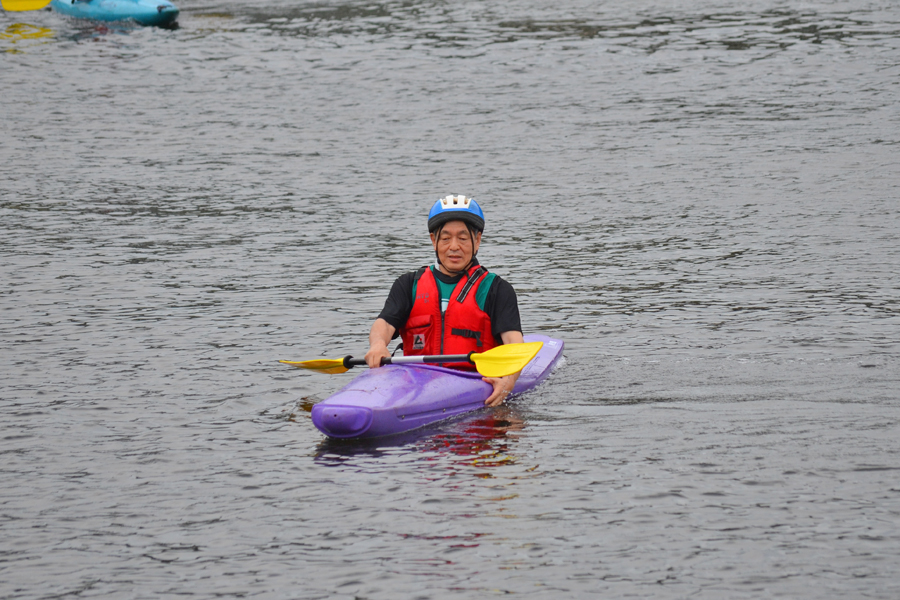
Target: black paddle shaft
[(350, 362)]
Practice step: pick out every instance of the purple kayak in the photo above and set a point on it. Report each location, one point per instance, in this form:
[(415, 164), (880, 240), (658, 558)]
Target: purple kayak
[(397, 398)]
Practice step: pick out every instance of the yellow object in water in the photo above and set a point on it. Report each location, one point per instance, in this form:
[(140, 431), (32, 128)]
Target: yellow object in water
[(21, 32), (19, 5)]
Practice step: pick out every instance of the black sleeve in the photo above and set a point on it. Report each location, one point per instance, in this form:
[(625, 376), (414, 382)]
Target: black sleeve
[(399, 302), (502, 307)]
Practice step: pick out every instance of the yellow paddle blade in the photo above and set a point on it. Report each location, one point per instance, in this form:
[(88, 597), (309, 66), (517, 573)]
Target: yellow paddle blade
[(331, 367), (17, 5), (506, 359)]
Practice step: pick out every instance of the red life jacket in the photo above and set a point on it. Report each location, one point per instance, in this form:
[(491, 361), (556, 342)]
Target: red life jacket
[(463, 328)]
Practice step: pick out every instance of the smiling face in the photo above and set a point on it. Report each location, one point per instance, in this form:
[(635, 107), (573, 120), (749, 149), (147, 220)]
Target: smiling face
[(455, 246)]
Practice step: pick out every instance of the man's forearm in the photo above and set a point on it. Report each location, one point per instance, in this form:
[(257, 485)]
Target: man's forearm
[(381, 333)]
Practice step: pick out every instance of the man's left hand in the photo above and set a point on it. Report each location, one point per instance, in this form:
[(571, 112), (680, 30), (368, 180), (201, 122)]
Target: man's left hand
[(503, 387)]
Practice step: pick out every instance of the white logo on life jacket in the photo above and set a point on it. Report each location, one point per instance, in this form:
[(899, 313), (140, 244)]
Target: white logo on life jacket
[(418, 341)]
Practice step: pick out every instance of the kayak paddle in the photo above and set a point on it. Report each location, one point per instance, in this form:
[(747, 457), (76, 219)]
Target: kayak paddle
[(497, 362), (18, 5)]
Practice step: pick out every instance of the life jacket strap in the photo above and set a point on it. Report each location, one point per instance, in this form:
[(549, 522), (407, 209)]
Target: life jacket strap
[(473, 279), (468, 333)]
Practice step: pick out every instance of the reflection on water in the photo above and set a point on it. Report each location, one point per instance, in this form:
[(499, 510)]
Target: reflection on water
[(13, 38), (482, 440)]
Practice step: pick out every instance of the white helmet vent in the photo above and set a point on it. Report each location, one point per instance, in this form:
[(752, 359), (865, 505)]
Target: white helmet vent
[(450, 202)]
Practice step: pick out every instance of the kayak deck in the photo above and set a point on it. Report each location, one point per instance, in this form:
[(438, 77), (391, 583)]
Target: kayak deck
[(396, 398)]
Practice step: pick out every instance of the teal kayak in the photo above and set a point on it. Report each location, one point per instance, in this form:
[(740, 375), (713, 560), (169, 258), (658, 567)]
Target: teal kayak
[(145, 12)]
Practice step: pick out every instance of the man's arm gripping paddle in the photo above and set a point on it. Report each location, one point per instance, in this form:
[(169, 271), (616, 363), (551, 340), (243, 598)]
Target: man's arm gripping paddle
[(379, 337)]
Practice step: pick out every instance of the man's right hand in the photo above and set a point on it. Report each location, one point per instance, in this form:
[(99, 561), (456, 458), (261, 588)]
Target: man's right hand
[(374, 355), (379, 337)]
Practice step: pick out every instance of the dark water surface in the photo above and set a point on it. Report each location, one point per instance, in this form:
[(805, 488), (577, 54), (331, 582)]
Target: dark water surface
[(700, 198)]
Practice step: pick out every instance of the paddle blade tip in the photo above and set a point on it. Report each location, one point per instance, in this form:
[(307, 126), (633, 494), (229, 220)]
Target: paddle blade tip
[(329, 367)]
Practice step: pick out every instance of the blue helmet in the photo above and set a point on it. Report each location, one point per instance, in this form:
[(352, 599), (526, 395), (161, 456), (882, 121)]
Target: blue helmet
[(455, 208)]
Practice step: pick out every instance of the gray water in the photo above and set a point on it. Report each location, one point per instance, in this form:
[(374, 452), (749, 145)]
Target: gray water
[(700, 198)]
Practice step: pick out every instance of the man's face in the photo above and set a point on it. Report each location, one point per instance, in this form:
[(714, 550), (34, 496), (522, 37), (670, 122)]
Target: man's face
[(455, 246)]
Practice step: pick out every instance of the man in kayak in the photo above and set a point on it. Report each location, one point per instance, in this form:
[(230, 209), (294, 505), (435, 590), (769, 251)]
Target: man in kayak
[(454, 306)]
